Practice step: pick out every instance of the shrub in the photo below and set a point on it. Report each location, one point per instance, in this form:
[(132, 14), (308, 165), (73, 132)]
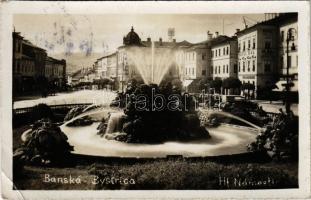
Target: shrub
[(279, 138), (46, 144)]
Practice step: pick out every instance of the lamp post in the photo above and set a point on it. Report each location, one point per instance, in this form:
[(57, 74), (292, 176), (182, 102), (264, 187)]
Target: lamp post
[(289, 37)]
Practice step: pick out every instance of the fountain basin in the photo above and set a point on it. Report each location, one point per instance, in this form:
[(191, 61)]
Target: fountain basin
[(225, 140)]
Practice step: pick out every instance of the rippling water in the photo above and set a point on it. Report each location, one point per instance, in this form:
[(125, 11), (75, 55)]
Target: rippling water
[(225, 140)]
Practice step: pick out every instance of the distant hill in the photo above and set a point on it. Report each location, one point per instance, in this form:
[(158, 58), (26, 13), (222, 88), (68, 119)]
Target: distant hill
[(77, 61)]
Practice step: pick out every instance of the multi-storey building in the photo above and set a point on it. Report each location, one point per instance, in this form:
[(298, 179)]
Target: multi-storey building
[(28, 65), (262, 52), (106, 67), (288, 23), (136, 58), (112, 66), (32, 69), (55, 72), (224, 58), (257, 46)]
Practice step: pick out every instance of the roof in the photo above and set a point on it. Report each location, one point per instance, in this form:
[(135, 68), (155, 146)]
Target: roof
[(224, 41), (32, 45), (48, 58), (132, 38), (106, 56), (283, 18), (208, 43), (160, 44)]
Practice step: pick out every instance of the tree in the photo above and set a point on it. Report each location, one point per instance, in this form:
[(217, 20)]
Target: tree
[(216, 83), (177, 83), (231, 83), (205, 83)]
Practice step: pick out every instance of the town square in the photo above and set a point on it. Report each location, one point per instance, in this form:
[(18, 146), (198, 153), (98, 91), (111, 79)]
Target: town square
[(155, 101)]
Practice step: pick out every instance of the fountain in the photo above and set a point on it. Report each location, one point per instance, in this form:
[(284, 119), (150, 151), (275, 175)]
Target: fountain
[(229, 115), (152, 64), (141, 131), (114, 123)]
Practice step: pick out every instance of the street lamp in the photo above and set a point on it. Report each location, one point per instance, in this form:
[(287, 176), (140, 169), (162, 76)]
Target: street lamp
[(290, 37)]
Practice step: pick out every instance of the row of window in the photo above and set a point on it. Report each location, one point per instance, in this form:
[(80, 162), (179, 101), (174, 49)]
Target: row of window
[(24, 67), (283, 36), (189, 71), (54, 70), (190, 56), (249, 67), (249, 46), (225, 69), (220, 52)]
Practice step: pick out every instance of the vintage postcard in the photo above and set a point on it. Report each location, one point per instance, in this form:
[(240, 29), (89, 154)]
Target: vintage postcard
[(155, 100)]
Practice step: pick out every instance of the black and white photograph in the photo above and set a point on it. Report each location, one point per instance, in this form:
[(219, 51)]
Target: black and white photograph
[(138, 101)]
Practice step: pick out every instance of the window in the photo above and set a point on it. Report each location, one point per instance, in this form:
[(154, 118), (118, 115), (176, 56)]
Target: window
[(227, 70), (253, 82), (243, 66), (254, 43), (223, 69), (219, 52), (235, 68), (282, 36), (267, 45), (203, 56), (239, 66), (227, 51), (203, 72), (192, 56), (243, 45), (215, 69), (267, 67), (192, 71), (281, 62), (297, 61), (224, 51), (218, 69), (293, 47), (212, 53), (248, 65), (289, 62), (239, 47), (254, 65), (249, 44), (216, 53)]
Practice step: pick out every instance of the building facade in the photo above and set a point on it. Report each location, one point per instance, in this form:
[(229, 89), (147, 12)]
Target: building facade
[(225, 59), (141, 60), (288, 23), (28, 65), (32, 68), (257, 48), (55, 72)]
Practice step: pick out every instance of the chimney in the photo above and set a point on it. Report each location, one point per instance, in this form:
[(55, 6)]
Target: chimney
[(236, 31), (160, 40), (216, 34), (148, 39), (209, 36)]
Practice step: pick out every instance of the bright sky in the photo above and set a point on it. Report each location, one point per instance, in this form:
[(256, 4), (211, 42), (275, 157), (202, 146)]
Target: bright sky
[(100, 33)]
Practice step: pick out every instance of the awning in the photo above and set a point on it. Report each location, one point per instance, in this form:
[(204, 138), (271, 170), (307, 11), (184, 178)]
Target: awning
[(186, 83), (281, 86)]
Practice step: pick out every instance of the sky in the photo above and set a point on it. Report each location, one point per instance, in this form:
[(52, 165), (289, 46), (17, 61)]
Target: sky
[(68, 34)]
